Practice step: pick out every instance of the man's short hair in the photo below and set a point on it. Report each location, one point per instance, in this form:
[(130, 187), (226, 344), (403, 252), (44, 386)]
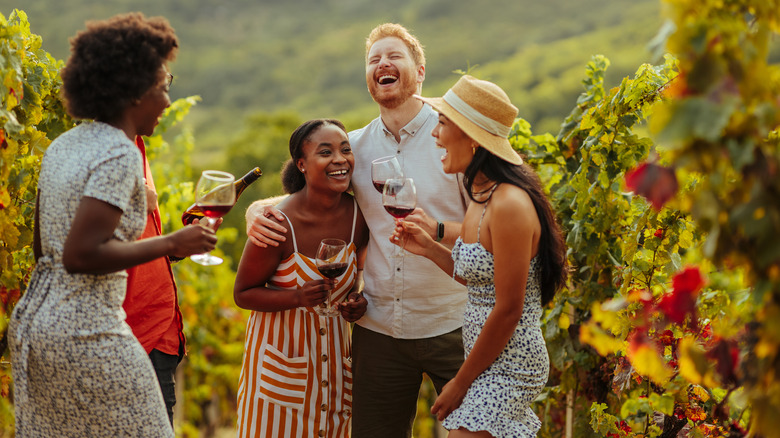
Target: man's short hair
[(396, 30)]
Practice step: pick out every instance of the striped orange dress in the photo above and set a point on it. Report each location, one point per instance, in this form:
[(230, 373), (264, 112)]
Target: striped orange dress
[(296, 376)]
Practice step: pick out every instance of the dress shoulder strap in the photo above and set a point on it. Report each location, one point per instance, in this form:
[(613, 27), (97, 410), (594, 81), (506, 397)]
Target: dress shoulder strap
[(292, 231), (354, 219)]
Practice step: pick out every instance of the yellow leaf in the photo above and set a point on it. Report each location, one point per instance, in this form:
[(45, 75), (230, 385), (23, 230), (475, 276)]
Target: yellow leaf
[(700, 392), (564, 322), (647, 362), (765, 348), (694, 365), (603, 342), (603, 314)]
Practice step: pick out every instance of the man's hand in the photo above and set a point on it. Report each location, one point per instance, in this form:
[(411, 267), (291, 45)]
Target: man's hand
[(261, 230)]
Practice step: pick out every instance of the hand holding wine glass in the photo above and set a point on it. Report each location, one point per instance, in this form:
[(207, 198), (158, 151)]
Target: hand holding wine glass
[(412, 238), (214, 196), (383, 169), (399, 198), (332, 263)]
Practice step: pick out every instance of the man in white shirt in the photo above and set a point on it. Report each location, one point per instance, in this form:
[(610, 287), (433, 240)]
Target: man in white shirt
[(415, 311)]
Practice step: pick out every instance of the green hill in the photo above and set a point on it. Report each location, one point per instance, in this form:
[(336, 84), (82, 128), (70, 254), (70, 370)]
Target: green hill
[(306, 56)]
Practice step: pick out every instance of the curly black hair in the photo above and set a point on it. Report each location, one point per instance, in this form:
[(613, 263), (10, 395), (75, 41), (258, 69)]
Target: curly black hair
[(114, 62), (292, 178)]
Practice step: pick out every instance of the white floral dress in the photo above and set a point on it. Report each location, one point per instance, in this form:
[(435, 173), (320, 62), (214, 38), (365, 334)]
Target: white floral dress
[(78, 370), (499, 399)]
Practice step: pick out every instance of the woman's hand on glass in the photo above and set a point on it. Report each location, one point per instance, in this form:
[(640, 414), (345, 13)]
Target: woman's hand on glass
[(217, 223), (192, 239), (411, 237), (315, 292), (421, 218)]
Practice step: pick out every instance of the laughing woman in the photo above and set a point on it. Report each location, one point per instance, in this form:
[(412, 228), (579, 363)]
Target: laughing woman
[(296, 377), (510, 254), (78, 370)]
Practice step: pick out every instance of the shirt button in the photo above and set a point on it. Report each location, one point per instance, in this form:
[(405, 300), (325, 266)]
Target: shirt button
[(322, 432), (324, 357), (398, 269), (323, 331), (324, 383), (324, 407)]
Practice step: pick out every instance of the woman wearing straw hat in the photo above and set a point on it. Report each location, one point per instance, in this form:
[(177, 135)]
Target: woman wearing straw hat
[(510, 254)]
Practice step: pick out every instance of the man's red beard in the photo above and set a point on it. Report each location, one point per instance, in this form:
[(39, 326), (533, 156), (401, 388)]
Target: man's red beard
[(393, 99)]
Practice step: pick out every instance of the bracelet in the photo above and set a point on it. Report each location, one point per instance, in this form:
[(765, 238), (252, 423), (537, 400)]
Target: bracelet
[(439, 231)]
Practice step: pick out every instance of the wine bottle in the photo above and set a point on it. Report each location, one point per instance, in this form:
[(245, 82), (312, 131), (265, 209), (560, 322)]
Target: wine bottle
[(193, 212)]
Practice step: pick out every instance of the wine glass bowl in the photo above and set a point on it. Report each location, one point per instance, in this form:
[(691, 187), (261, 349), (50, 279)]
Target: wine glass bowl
[(399, 197), (214, 196), (384, 168), (332, 262)]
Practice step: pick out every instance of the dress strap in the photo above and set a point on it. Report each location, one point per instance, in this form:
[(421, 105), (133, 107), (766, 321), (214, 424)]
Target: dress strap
[(354, 219), (292, 231), (484, 209)]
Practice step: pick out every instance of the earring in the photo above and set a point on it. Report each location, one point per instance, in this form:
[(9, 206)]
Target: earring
[(302, 169)]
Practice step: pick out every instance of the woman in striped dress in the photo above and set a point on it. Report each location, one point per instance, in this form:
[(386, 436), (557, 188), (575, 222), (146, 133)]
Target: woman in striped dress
[(296, 377)]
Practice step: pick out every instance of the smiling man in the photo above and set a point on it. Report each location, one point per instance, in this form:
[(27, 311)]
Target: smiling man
[(412, 325)]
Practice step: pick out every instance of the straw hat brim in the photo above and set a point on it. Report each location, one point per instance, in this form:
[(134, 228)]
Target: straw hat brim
[(496, 145)]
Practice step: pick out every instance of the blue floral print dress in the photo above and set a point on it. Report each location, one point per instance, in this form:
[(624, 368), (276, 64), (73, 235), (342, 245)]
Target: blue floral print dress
[(499, 399)]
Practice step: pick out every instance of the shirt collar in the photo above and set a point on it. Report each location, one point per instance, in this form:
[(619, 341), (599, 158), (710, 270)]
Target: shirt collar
[(414, 126)]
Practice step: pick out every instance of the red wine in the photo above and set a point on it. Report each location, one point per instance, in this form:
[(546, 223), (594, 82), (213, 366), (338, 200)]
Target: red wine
[(215, 210), (194, 212), (399, 212), (332, 270), (379, 186)]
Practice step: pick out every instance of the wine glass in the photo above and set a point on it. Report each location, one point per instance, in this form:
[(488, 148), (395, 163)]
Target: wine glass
[(332, 263), (383, 169), (399, 198), (214, 196)]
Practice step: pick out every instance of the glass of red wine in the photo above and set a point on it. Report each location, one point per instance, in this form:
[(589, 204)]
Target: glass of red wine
[(399, 198), (332, 263), (383, 169), (214, 196)]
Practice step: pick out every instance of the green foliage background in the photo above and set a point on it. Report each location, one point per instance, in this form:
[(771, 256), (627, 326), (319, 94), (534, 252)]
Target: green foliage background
[(306, 56)]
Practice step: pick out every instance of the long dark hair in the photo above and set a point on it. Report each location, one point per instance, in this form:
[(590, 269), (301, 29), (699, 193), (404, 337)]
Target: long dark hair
[(292, 178), (552, 248)]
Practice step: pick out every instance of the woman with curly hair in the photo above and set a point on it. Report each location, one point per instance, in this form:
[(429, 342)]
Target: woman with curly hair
[(77, 368)]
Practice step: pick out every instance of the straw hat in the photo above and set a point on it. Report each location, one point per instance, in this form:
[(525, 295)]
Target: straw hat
[(483, 111)]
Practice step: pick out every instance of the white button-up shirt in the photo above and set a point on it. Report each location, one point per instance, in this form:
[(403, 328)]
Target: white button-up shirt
[(408, 297)]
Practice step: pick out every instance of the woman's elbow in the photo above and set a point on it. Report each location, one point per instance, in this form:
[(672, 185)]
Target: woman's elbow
[(238, 298), (74, 263), (511, 314)]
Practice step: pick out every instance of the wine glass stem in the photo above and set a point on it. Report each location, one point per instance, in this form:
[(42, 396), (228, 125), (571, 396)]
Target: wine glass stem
[(210, 222)]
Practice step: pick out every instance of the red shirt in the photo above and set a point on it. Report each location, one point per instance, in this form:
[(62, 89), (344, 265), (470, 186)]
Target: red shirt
[(151, 302)]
